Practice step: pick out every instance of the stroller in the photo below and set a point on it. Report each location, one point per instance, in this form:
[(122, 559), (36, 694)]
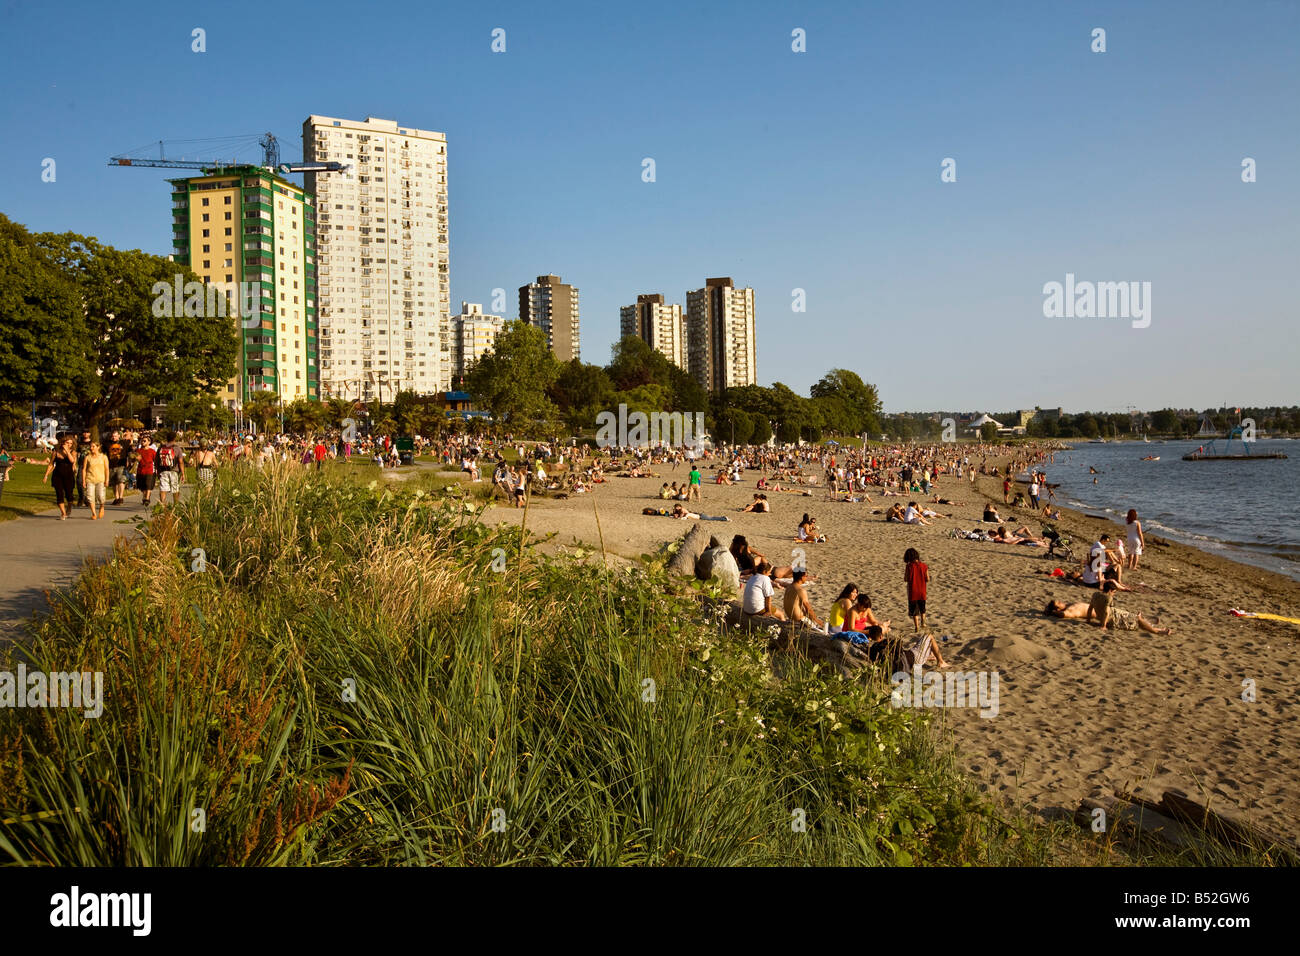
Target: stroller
[(1059, 549)]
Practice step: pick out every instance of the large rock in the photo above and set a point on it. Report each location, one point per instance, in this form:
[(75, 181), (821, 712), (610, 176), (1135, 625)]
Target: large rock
[(718, 563), (692, 546)]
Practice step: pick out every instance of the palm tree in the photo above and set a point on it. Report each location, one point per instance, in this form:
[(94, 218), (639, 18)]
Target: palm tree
[(263, 408)]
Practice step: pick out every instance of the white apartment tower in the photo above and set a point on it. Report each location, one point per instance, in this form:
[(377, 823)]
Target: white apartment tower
[(473, 334), (382, 261), (720, 335), (657, 324)]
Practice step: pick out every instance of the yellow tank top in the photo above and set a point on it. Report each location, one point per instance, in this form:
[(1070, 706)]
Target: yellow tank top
[(837, 615)]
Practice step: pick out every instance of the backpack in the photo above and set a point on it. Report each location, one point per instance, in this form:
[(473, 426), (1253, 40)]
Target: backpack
[(166, 458)]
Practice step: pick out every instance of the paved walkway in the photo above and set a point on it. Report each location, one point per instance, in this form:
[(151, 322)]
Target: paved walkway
[(40, 551)]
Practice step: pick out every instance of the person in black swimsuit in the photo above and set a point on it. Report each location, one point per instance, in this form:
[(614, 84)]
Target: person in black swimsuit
[(63, 466)]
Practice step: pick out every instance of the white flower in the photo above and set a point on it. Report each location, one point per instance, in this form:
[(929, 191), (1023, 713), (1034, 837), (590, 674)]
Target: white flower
[(810, 706)]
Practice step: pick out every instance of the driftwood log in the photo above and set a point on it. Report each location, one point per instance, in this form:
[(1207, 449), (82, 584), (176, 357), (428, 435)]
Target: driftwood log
[(1182, 822)]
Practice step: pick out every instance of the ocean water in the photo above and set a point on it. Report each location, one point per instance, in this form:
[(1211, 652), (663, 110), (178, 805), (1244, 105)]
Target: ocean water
[(1245, 510)]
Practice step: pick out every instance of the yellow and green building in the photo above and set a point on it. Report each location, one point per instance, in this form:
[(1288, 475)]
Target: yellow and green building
[(244, 227)]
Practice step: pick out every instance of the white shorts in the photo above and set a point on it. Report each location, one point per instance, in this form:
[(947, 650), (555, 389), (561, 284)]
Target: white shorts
[(95, 494), (169, 481)]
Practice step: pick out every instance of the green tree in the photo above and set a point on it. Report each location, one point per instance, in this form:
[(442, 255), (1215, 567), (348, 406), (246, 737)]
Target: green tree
[(201, 412), (859, 402), (44, 351), (512, 380), (581, 392), (989, 431), (137, 343), (264, 409)]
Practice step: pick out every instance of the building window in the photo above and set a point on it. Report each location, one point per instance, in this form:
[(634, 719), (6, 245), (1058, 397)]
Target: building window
[(206, 249), (227, 200), (207, 264), (205, 233), (205, 200), (227, 215), (205, 217)]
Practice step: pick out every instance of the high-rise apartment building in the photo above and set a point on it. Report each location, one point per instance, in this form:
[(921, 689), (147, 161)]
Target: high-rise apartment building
[(552, 306), (473, 334), (245, 225), (658, 324), (385, 300), (720, 335)]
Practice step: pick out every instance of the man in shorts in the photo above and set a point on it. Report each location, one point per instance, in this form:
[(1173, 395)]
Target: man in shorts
[(695, 477), (171, 470), (145, 475), (119, 456)]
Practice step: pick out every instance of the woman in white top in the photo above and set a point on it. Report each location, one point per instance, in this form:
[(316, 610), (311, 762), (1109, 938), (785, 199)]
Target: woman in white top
[(1135, 538)]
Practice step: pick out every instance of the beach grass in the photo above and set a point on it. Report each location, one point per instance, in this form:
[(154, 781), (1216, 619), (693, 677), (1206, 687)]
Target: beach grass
[(360, 672)]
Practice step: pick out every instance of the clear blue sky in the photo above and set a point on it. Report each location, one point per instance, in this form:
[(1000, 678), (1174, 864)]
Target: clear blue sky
[(816, 170)]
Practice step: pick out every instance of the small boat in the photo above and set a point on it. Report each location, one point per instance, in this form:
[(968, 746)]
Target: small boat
[(1151, 458), (1096, 441)]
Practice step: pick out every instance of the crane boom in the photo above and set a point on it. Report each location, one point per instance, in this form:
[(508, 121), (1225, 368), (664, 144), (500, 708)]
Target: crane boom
[(270, 160)]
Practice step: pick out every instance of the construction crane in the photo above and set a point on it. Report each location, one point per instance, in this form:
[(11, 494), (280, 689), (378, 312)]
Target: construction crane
[(270, 160)]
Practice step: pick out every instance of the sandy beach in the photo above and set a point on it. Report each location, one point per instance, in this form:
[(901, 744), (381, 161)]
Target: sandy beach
[(1082, 711)]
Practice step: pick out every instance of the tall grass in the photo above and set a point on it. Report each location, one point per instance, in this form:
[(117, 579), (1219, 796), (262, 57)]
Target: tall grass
[(350, 682)]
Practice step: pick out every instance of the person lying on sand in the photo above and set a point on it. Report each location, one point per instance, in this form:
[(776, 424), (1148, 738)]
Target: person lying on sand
[(797, 604), (1021, 535), (913, 514), (936, 500), (1109, 616)]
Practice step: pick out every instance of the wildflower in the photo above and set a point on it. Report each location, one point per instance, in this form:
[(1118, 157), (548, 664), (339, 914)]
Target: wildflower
[(810, 706), (705, 655), (836, 726), (881, 747)]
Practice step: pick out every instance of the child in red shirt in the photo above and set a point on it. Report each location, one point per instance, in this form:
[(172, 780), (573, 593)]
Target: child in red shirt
[(916, 574)]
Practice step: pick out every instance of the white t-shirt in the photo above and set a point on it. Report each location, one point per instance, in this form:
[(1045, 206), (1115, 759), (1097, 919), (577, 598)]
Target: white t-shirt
[(910, 515), (757, 590), (1096, 563)]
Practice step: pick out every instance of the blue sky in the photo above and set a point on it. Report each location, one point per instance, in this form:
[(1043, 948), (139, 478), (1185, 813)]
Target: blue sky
[(817, 170)]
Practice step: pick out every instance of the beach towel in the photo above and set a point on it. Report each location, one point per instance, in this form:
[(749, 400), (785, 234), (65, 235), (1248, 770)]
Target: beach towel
[(1263, 616)]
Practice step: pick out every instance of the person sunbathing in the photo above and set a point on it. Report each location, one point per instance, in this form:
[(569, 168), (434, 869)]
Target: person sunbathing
[(936, 500), (758, 506), (797, 604), (680, 512), (913, 514), (1020, 536), (1075, 611), (1102, 607)]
